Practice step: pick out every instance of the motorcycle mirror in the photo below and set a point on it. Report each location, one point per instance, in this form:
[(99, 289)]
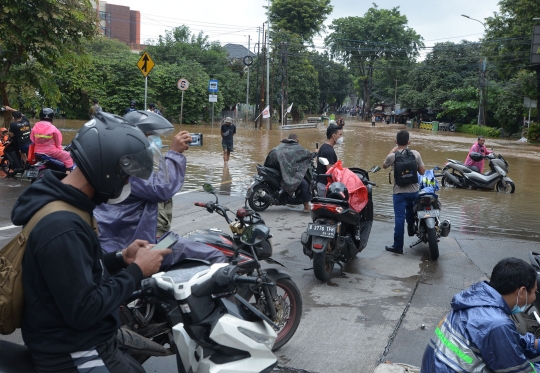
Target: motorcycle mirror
[(375, 169), (323, 161), (255, 234), (208, 188), (436, 168)]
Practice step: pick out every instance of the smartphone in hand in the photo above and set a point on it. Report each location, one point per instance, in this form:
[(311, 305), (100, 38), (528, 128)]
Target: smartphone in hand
[(166, 242)]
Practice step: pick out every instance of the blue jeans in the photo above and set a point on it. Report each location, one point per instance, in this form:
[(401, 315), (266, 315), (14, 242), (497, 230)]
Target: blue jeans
[(403, 210)]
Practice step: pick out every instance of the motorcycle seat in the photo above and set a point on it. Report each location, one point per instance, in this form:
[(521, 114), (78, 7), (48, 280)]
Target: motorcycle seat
[(15, 358), (46, 158), (271, 171), (473, 168), (331, 200)]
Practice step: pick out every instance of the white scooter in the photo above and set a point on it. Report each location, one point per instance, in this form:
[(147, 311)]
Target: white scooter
[(213, 329)]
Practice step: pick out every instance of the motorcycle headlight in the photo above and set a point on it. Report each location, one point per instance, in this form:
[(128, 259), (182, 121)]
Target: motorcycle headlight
[(259, 338)]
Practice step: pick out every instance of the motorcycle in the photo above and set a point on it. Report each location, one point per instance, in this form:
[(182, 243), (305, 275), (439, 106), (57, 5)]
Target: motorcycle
[(38, 163), (281, 303), (338, 233), (528, 321), (194, 308), (457, 175), (427, 227), (265, 190)]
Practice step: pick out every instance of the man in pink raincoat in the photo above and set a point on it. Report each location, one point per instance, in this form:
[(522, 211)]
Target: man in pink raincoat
[(48, 139), (478, 147)]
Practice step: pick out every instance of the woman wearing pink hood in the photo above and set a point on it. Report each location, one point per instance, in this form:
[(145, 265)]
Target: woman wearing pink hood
[(478, 147), (48, 139)]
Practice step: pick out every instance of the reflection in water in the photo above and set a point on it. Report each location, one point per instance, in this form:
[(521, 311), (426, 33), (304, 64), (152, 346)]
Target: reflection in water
[(472, 211)]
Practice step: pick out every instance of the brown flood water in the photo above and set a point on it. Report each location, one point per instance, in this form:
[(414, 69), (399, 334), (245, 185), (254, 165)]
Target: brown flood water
[(470, 211)]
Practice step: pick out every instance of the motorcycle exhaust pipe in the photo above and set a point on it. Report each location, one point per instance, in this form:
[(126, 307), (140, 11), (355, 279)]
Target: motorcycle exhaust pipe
[(445, 228), (452, 178)]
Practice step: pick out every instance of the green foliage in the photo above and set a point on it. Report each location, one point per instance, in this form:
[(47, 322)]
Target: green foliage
[(44, 31), (335, 82), (300, 17), (533, 135), (361, 42), (479, 130), (463, 106)]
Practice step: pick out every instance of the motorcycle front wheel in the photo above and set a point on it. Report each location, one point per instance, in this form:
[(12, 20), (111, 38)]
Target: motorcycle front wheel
[(447, 183), (433, 244), (254, 199), (322, 264), (506, 187), (288, 311)]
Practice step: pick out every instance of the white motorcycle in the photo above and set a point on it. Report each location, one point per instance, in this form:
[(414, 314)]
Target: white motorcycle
[(207, 325)]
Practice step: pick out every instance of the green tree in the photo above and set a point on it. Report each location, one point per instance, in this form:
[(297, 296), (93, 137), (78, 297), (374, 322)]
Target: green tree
[(508, 39), (300, 17), (335, 82), (45, 31)]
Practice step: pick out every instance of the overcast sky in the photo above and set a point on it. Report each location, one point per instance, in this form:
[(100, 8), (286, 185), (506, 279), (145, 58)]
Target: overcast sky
[(231, 21)]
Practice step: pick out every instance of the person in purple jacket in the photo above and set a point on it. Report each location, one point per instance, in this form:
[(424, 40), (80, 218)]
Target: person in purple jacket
[(137, 215), (478, 147)]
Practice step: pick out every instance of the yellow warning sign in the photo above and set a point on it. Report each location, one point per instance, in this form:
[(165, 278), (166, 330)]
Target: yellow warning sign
[(145, 64)]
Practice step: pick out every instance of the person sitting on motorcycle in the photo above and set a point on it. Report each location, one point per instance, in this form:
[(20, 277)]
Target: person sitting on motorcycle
[(72, 290), (136, 217), (478, 147), (48, 139), (478, 335), (4, 138), (293, 162), (340, 122)]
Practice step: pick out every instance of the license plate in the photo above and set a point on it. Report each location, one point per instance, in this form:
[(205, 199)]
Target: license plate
[(321, 230), (428, 214), (31, 173)]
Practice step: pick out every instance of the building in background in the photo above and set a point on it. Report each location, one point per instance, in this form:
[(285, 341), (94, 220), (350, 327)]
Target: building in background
[(119, 22)]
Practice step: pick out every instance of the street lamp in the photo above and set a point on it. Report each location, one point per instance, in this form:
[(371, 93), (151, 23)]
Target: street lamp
[(481, 118)]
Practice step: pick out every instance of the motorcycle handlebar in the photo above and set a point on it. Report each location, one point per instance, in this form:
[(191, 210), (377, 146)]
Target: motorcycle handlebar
[(200, 204), (246, 280), (135, 295)]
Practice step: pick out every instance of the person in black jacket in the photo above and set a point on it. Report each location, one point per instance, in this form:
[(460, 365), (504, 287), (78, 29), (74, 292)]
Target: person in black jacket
[(73, 290)]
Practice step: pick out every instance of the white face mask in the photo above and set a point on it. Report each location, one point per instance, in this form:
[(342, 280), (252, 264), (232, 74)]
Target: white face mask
[(157, 140), (339, 141), (126, 191)]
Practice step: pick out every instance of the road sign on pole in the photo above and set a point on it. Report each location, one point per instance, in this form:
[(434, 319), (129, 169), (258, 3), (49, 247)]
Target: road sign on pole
[(213, 85), (145, 64), (183, 84), (212, 98)]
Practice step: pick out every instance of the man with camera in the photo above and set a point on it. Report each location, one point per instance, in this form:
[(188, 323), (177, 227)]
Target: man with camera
[(137, 215)]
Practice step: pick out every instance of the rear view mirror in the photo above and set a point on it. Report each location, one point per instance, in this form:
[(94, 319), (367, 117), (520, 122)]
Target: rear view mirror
[(375, 169), (323, 161), (208, 188)]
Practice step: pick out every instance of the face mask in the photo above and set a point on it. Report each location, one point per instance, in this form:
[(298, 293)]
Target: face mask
[(126, 191), (518, 309), (156, 139), (339, 141)]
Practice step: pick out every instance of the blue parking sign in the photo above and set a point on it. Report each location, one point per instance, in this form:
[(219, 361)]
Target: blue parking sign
[(213, 85)]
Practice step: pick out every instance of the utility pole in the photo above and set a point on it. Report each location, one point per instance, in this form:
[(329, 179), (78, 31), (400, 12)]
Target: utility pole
[(395, 102), (262, 76), (269, 122), (247, 85), (257, 85)]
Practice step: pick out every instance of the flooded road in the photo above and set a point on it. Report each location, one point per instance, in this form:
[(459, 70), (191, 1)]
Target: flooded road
[(470, 211)]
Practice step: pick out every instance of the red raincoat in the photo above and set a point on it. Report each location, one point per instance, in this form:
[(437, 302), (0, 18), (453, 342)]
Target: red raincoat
[(358, 194)]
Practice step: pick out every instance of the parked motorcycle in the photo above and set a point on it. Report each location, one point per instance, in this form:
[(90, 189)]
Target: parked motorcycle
[(281, 303), (457, 175), (39, 163), (428, 227), (265, 190), (194, 308), (338, 233), (529, 320)]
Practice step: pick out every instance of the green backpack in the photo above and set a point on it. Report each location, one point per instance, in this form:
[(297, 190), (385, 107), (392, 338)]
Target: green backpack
[(11, 257)]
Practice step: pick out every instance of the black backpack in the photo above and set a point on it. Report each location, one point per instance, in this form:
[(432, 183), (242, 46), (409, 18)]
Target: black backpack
[(405, 168)]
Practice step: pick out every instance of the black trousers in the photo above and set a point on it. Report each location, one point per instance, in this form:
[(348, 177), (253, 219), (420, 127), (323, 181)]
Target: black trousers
[(102, 358)]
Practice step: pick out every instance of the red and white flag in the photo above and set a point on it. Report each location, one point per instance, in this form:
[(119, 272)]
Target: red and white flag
[(290, 108), (266, 112)]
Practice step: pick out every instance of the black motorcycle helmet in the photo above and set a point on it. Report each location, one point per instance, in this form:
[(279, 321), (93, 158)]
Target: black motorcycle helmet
[(46, 114), (132, 103), (108, 150), (149, 122), (339, 191), (475, 156)]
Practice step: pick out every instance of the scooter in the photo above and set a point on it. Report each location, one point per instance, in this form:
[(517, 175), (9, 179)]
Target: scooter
[(194, 308), (457, 175), (265, 190), (338, 233), (285, 305), (528, 321)]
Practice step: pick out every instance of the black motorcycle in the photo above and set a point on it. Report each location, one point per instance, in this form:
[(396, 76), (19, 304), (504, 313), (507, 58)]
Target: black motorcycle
[(265, 190), (285, 307), (338, 233)]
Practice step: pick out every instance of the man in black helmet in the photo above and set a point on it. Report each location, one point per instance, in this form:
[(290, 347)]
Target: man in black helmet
[(132, 107), (72, 289)]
